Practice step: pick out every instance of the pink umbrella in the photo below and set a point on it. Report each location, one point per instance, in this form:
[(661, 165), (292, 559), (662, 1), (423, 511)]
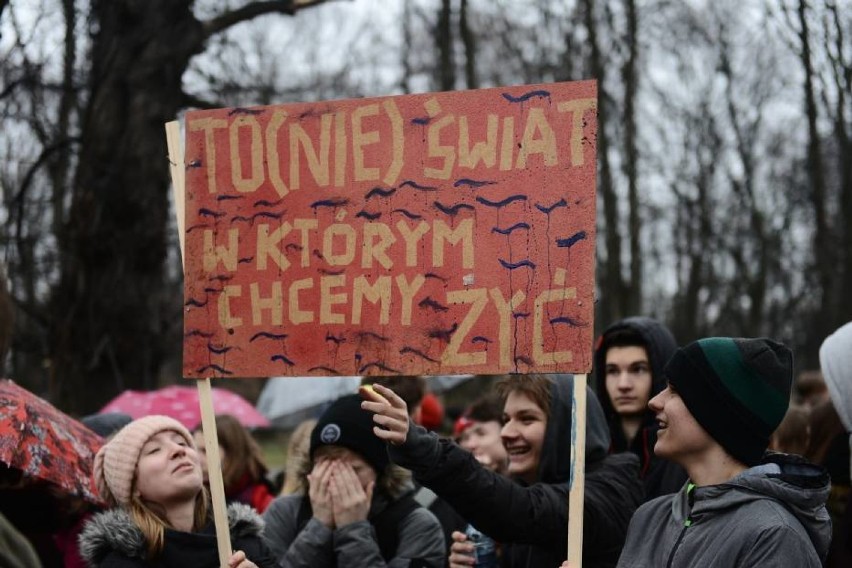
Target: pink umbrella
[(181, 403)]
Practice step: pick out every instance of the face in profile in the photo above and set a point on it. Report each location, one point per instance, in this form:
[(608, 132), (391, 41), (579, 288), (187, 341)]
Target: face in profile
[(168, 470), (628, 379), (483, 440), (524, 424), (680, 437)]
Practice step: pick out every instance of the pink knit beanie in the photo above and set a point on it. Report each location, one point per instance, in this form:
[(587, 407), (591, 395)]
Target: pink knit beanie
[(115, 463)]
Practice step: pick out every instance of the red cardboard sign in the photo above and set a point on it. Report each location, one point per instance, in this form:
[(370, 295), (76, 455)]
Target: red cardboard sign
[(426, 234)]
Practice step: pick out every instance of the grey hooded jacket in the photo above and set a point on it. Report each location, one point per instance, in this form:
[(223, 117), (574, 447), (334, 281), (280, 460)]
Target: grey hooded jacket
[(531, 521), (420, 539), (112, 539), (771, 515)]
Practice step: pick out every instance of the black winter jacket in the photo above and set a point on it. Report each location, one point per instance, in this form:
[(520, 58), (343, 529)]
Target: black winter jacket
[(659, 476), (112, 540), (532, 521)]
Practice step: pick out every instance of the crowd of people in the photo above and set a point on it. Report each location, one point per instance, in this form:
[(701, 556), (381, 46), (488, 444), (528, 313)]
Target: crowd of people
[(708, 454)]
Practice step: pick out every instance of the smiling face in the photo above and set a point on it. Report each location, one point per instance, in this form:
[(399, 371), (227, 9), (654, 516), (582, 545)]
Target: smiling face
[(483, 440), (628, 379), (680, 438), (168, 470), (524, 425)]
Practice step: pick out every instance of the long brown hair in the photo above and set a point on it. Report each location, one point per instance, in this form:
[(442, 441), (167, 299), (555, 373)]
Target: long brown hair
[(151, 519), (535, 386), (243, 456)]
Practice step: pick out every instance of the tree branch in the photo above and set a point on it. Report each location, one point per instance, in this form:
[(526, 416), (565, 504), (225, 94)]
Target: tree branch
[(253, 10)]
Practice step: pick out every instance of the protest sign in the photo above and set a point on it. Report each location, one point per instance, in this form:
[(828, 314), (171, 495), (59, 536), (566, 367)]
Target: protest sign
[(421, 234)]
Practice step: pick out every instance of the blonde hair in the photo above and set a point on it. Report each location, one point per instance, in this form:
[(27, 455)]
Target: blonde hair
[(151, 519), (297, 449)]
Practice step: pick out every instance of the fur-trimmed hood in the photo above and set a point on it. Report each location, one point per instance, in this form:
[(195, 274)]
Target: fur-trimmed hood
[(114, 531)]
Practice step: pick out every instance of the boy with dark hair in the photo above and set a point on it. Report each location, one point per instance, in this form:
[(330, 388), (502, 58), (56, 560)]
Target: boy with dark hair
[(629, 361), (724, 399), (527, 513)]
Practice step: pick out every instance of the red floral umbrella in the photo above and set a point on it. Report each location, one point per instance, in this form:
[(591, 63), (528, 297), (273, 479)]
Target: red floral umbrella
[(45, 443), (181, 403)]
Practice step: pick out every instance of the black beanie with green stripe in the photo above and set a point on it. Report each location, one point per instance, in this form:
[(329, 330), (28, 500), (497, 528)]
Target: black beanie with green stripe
[(737, 389)]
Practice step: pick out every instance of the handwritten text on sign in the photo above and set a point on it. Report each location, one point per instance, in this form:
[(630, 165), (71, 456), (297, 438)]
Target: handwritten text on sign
[(421, 234)]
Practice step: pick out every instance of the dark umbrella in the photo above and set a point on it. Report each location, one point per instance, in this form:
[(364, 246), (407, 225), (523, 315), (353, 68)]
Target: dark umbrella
[(45, 443)]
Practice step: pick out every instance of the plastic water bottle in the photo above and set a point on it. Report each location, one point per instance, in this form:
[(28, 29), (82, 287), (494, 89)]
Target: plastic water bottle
[(484, 548)]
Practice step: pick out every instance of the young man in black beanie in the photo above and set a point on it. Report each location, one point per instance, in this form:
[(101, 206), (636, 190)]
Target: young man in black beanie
[(355, 507), (742, 507)]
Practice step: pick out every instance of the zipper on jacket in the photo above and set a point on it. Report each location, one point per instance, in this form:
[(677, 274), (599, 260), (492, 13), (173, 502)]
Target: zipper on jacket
[(686, 524)]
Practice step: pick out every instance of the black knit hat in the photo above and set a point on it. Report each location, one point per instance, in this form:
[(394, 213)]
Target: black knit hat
[(346, 424), (737, 389)]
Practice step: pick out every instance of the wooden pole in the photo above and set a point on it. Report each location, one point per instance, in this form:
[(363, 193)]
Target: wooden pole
[(578, 473), (205, 391)]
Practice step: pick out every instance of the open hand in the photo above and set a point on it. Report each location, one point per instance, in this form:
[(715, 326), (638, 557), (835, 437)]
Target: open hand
[(351, 503), (390, 415), (319, 492)]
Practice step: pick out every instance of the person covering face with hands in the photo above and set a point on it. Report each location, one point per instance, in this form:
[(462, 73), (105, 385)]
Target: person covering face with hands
[(354, 507), (150, 473)]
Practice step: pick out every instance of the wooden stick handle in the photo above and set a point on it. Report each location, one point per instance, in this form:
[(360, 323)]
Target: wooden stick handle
[(578, 473), (205, 391)]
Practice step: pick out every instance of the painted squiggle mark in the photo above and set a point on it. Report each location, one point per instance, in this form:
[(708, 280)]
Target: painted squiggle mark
[(480, 339), (572, 240), (196, 163), (204, 212), (196, 303), (417, 352), (268, 335), (520, 315), (436, 277), (380, 366), (472, 183), (283, 359), (245, 260), (428, 302), (417, 186), (371, 335), (444, 334), (509, 230), (242, 110), (199, 226), (329, 203), (568, 321), (380, 191), (217, 368), (421, 121), (546, 209), (217, 349), (334, 338), (519, 264), (526, 96), (328, 272), (452, 210), (228, 197), (222, 277), (267, 203), (326, 369), (367, 215), (198, 333), (503, 202), (293, 247), (408, 214)]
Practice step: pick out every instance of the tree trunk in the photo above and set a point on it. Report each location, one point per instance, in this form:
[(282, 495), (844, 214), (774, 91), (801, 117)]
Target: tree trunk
[(633, 297), (444, 42), (469, 41), (108, 311)]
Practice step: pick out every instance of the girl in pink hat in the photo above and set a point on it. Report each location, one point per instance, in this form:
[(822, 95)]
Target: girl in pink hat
[(150, 473)]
